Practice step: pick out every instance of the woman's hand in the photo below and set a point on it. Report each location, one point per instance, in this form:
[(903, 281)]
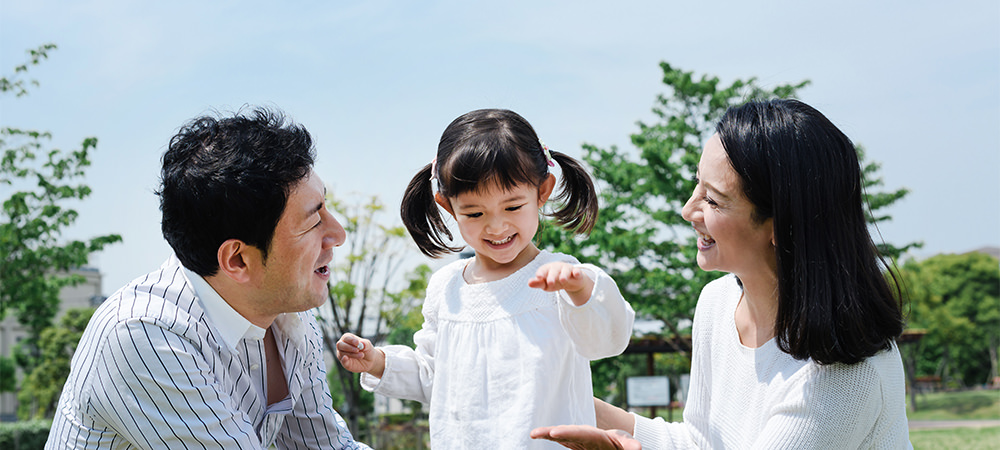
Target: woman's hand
[(556, 276), (359, 355), (584, 437)]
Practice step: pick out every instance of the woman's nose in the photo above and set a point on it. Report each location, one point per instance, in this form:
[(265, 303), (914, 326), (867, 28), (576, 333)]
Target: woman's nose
[(690, 208)]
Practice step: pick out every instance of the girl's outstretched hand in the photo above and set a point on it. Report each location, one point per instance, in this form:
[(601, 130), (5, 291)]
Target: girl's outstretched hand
[(556, 276), (359, 355), (584, 437)]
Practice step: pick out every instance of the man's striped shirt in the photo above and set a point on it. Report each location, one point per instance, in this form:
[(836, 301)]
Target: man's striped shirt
[(153, 371)]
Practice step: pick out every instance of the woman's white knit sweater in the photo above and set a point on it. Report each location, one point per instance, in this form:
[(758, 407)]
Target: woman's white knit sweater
[(742, 397)]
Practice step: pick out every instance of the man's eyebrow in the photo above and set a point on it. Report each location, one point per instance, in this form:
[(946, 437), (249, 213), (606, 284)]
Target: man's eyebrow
[(319, 205)]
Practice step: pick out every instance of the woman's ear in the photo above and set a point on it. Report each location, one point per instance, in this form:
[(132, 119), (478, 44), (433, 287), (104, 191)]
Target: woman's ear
[(235, 260), (545, 189), (443, 201)]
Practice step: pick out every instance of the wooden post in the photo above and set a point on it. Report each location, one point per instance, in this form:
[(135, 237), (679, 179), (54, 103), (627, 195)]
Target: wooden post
[(649, 371)]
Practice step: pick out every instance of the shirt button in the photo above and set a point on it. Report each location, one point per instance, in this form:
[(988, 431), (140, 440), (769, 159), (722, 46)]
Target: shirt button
[(254, 366)]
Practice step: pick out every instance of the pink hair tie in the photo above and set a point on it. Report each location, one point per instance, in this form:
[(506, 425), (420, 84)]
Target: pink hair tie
[(434, 166), (548, 155)]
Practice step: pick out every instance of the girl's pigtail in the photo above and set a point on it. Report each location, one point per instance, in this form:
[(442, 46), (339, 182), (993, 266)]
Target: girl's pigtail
[(577, 195), (422, 217)]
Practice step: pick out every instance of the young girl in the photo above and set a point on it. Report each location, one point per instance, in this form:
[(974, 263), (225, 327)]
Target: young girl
[(508, 334)]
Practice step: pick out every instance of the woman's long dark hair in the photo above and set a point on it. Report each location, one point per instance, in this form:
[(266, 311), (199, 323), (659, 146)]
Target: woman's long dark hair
[(796, 167), (491, 147)]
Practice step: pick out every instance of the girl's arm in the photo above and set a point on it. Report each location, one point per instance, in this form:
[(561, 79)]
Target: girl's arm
[(396, 371), (408, 372), (601, 324)]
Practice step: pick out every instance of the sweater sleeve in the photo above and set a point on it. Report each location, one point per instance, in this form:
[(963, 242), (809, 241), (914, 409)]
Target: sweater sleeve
[(659, 434), (601, 327)]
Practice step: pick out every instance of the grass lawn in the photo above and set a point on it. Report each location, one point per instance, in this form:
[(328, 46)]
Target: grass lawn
[(964, 405), (955, 438)]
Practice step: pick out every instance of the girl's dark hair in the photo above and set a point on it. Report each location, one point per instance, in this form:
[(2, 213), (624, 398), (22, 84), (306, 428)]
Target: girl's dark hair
[(491, 147), (229, 178), (796, 167)]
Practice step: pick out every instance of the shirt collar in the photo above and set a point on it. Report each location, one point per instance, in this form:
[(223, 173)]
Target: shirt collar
[(231, 324)]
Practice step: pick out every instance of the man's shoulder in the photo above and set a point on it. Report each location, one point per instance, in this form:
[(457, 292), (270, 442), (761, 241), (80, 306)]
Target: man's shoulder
[(163, 295)]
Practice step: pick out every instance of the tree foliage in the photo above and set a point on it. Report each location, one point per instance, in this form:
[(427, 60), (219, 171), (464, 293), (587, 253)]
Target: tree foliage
[(956, 300), (640, 236), (8, 374), (877, 201), (364, 296), (38, 182), (41, 387)]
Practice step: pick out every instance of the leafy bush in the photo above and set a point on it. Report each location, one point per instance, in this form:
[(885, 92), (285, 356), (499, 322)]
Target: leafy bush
[(25, 435)]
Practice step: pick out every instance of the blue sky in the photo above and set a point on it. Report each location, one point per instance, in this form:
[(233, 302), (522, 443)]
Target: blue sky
[(375, 82)]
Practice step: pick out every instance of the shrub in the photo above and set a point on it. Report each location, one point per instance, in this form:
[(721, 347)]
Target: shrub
[(24, 435)]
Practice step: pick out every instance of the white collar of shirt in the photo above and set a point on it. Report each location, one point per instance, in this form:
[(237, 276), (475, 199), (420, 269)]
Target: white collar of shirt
[(230, 323)]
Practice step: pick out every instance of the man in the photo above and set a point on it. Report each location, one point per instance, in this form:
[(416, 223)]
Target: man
[(217, 349)]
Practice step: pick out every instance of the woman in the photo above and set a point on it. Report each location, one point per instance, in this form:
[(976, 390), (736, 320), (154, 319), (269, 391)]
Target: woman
[(795, 348)]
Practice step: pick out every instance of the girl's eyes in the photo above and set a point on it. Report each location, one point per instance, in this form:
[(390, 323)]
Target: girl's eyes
[(479, 214), (711, 202)]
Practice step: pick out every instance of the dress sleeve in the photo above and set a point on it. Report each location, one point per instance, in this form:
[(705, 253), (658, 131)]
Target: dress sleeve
[(313, 423), (409, 372), (157, 390), (601, 327)]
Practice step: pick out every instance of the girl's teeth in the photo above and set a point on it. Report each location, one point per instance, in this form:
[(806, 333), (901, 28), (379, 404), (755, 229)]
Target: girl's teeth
[(500, 242)]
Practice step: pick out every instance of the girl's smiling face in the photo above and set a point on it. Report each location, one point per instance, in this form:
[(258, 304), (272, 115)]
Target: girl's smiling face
[(728, 238), (499, 224)]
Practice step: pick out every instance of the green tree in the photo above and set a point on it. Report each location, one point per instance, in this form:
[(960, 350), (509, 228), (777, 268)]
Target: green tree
[(956, 299), (8, 374), (640, 236), (34, 263), (364, 299), (41, 387), (877, 201)]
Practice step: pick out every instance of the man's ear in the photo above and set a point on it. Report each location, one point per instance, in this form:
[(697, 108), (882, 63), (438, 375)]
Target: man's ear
[(441, 200), (235, 260), (545, 189)]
